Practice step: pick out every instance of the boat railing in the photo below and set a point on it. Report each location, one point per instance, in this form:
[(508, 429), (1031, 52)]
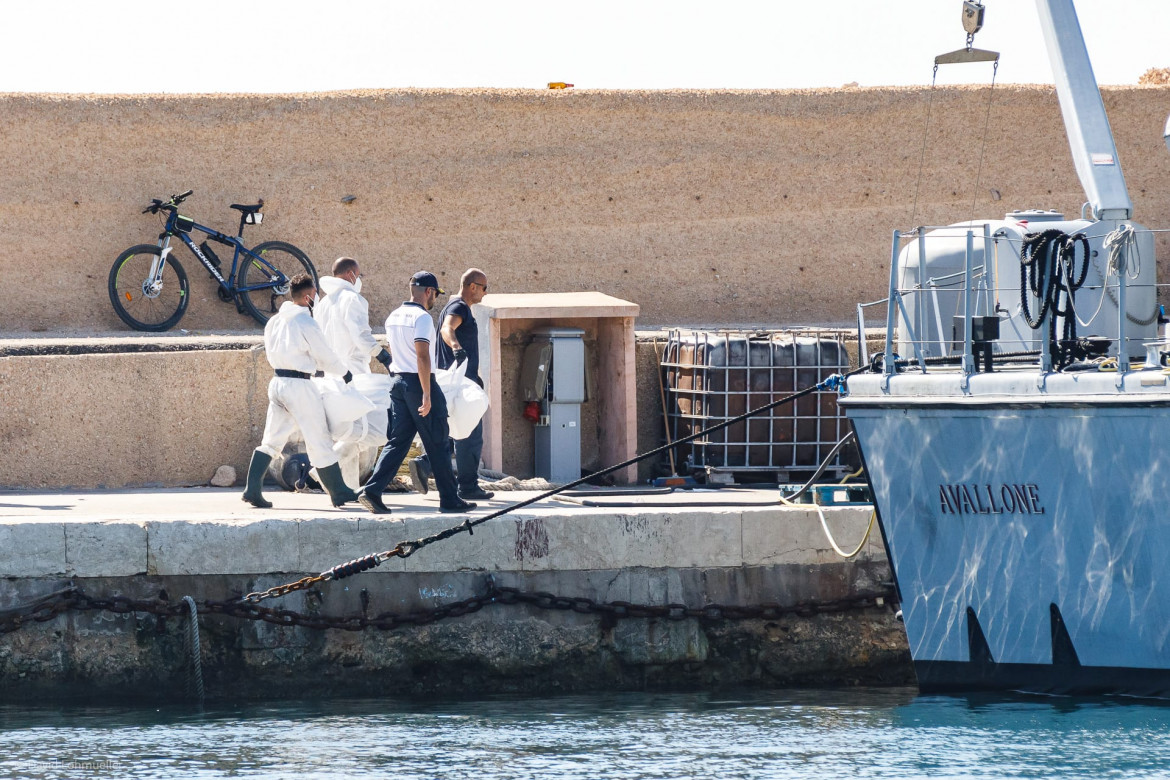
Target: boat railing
[(979, 294)]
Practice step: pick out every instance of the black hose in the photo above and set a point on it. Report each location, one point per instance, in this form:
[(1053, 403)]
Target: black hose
[(577, 497), (824, 465), (1048, 271), (878, 360)]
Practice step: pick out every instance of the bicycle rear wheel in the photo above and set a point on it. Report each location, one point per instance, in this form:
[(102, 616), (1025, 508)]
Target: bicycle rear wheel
[(137, 301), (288, 262)]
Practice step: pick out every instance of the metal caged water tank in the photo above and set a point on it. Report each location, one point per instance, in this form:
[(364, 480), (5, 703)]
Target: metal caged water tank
[(711, 377)]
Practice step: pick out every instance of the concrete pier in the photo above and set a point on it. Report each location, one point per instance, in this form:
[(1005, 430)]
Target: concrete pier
[(735, 548)]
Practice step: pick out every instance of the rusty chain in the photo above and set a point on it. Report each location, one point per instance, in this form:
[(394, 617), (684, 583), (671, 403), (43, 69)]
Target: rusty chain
[(287, 588), (407, 548), (73, 599)]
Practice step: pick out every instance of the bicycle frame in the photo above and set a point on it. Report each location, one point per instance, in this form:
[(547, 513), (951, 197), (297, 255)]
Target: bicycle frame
[(277, 280)]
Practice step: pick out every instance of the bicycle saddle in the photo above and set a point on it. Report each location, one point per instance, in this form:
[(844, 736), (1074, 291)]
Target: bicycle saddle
[(248, 209)]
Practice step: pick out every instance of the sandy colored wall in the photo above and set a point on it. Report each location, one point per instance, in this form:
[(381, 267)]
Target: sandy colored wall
[(171, 418), (703, 207)]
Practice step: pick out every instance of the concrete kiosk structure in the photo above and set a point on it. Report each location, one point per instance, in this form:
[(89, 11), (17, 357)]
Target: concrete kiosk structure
[(506, 320)]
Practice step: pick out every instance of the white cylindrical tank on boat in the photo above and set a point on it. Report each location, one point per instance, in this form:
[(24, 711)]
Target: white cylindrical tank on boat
[(931, 274)]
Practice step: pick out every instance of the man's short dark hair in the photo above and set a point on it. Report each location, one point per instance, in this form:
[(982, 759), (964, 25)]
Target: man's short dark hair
[(344, 265), (299, 283)]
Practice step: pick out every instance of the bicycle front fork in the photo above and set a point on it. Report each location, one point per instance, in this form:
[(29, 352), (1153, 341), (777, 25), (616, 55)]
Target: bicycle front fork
[(160, 260)]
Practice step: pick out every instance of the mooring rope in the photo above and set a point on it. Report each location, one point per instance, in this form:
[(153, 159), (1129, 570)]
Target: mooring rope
[(787, 501), (405, 549), (1122, 245)]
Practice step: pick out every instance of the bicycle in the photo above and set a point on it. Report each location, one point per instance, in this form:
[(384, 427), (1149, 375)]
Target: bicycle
[(148, 287)]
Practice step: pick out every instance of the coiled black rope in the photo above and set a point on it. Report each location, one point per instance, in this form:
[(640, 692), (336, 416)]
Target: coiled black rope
[(1048, 270)]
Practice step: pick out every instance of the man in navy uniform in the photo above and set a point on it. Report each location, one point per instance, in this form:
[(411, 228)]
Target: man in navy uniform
[(417, 402), (460, 342)]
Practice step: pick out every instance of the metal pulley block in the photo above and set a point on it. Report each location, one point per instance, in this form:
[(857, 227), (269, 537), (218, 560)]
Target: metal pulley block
[(972, 23), (972, 18)]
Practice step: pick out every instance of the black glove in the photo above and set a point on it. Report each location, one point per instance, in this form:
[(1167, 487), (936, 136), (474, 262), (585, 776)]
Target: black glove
[(383, 357), (460, 355), (348, 377)]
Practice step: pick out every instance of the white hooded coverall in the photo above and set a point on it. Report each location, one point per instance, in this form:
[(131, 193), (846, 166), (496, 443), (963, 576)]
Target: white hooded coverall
[(344, 317), (294, 341)]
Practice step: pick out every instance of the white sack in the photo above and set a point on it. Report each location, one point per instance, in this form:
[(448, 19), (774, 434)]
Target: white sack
[(367, 431), (375, 387), (343, 405), (372, 428), (466, 401)]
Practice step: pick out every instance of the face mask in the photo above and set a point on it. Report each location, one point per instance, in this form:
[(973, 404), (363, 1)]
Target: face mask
[(357, 285), (313, 302)]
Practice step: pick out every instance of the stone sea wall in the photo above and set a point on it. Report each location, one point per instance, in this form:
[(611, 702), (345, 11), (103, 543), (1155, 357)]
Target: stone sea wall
[(694, 556)]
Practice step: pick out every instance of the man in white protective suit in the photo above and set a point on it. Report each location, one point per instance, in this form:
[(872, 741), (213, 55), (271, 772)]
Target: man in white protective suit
[(296, 348), (344, 317)]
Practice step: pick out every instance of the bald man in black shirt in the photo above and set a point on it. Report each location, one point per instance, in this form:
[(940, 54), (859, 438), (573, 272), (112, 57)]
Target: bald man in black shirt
[(459, 341)]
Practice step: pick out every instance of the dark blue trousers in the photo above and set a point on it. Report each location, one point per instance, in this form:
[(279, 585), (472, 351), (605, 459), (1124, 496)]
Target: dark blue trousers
[(468, 453), (405, 421)]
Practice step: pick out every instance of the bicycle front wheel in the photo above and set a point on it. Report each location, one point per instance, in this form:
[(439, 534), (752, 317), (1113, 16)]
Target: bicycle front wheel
[(271, 283), (143, 299)]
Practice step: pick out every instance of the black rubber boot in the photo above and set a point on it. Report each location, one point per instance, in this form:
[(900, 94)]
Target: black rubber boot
[(256, 471), (373, 502), (339, 492)]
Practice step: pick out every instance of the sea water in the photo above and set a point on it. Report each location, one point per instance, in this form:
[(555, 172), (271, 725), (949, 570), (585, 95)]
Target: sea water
[(887, 733)]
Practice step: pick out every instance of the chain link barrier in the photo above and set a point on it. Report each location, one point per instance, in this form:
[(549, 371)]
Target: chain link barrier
[(75, 600), (407, 548)]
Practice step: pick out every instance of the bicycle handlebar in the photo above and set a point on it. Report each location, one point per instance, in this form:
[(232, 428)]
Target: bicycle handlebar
[(156, 204)]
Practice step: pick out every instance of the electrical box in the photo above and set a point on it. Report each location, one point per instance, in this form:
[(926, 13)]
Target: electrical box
[(553, 375), (534, 370)]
